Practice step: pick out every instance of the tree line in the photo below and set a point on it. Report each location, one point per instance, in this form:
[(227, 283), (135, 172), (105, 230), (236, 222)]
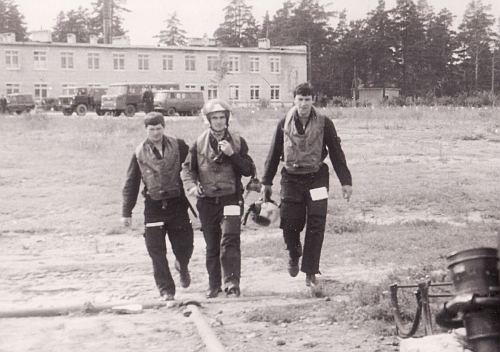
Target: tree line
[(410, 46)]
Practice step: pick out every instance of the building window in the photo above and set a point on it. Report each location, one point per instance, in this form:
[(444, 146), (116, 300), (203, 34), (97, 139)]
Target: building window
[(212, 92), (211, 63), (40, 60), (41, 90), (190, 62), (274, 63), (12, 88), (234, 64), (275, 92), (119, 62), (234, 92), (254, 92), (143, 62), (168, 62), (254, 64), (68, 88), (12, 59), (67, 60), (93, 61), (190, 87)]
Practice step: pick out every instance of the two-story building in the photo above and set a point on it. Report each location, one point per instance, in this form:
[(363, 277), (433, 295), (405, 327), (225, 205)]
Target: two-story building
[(245, 76)]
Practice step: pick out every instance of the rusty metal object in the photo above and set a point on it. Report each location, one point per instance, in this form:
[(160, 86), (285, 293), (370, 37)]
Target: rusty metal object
[(400, 326), (475, 278), (422, 313)]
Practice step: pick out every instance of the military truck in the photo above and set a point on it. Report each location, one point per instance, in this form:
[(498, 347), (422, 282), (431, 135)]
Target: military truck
[(126, 98), (81, 100), (183, 102), (20, 102)]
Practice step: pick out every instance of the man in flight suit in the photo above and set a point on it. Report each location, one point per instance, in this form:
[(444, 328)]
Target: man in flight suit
[(302, 140), (212, 173), (157, 161)]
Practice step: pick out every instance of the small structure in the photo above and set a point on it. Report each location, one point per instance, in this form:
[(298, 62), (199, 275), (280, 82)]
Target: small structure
[(375, 96)]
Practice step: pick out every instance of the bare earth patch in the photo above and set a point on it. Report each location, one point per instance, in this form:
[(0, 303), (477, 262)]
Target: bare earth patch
[(425, 183)]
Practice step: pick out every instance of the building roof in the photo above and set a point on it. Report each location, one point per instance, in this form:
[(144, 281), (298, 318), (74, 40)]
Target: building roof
[(273, 50)]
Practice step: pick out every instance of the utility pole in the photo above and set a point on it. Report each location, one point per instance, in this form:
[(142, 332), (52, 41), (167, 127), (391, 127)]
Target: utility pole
[(107, 25), (493, 72), (309, 62)]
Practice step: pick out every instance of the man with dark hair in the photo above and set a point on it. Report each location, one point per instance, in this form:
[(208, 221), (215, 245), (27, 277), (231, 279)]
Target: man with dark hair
[(157, 161), (212, 173), (302, 140)]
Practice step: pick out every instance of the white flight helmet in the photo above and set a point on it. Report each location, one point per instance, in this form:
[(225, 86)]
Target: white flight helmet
[(216, 105)]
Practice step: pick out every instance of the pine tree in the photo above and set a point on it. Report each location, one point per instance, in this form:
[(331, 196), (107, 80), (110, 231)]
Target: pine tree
[(379, 43), (76, 22), (476, 36), (409, 34), (96, 20), (441, 45), (11, 20), (172, 34), (266, 23), (239, 28), (280, 26)]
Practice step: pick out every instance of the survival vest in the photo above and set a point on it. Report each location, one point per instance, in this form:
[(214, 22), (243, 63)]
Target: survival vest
[(302, 152), (161, 176), (217, 179)]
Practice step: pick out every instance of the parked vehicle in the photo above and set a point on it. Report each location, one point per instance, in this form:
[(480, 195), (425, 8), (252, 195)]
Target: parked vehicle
[(127, 97), (81, 100), (20, 102), (184, 102)]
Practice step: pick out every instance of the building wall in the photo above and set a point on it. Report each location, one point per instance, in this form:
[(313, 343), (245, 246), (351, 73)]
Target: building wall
[(26, 75), (375, 96)]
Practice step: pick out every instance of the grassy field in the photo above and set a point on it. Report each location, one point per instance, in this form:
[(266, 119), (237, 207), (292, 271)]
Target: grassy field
[(425, 184)]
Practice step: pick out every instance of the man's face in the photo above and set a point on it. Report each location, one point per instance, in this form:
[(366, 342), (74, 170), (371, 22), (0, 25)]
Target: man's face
[(155, 133), (218, 121), (304, 104)]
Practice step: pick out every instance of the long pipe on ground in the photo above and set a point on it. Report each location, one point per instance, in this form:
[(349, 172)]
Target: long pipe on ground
[(96, 308), (205, 331)]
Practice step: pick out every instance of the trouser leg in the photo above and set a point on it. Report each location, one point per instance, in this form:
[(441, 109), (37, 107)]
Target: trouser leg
[(291, 236), (313, 242), (157, 249), (210, 217), (292, 223), (180, 234), (315, 227), (230, 250)]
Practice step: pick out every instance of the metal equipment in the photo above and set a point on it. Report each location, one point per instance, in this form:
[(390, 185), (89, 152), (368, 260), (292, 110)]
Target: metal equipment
[(476, 306)]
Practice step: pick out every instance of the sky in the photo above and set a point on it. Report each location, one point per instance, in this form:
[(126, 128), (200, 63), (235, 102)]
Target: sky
[(197, 17)]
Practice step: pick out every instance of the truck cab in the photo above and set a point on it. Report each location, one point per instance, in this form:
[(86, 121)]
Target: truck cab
[(81, 100)]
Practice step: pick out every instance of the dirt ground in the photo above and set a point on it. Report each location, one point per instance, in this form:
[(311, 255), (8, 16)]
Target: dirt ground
[(57, 251), (63, 270)]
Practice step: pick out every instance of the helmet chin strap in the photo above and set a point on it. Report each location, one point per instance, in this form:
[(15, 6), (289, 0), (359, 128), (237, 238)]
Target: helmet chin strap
[(225, 128)]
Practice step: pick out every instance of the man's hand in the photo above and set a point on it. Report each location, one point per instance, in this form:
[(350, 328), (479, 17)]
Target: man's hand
[(127, 222), (267, 192), (347, 192), (195, 191), (226, 148)]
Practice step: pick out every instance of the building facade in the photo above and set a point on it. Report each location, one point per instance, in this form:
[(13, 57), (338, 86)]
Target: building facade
[(244, 76), (375, 96)]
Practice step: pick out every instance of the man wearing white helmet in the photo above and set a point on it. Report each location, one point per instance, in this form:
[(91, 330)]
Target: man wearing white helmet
[(302, 140), (212, 173)]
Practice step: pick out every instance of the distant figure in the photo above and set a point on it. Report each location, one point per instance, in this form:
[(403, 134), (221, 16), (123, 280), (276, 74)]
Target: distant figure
[(3, 105), (148, 99)]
